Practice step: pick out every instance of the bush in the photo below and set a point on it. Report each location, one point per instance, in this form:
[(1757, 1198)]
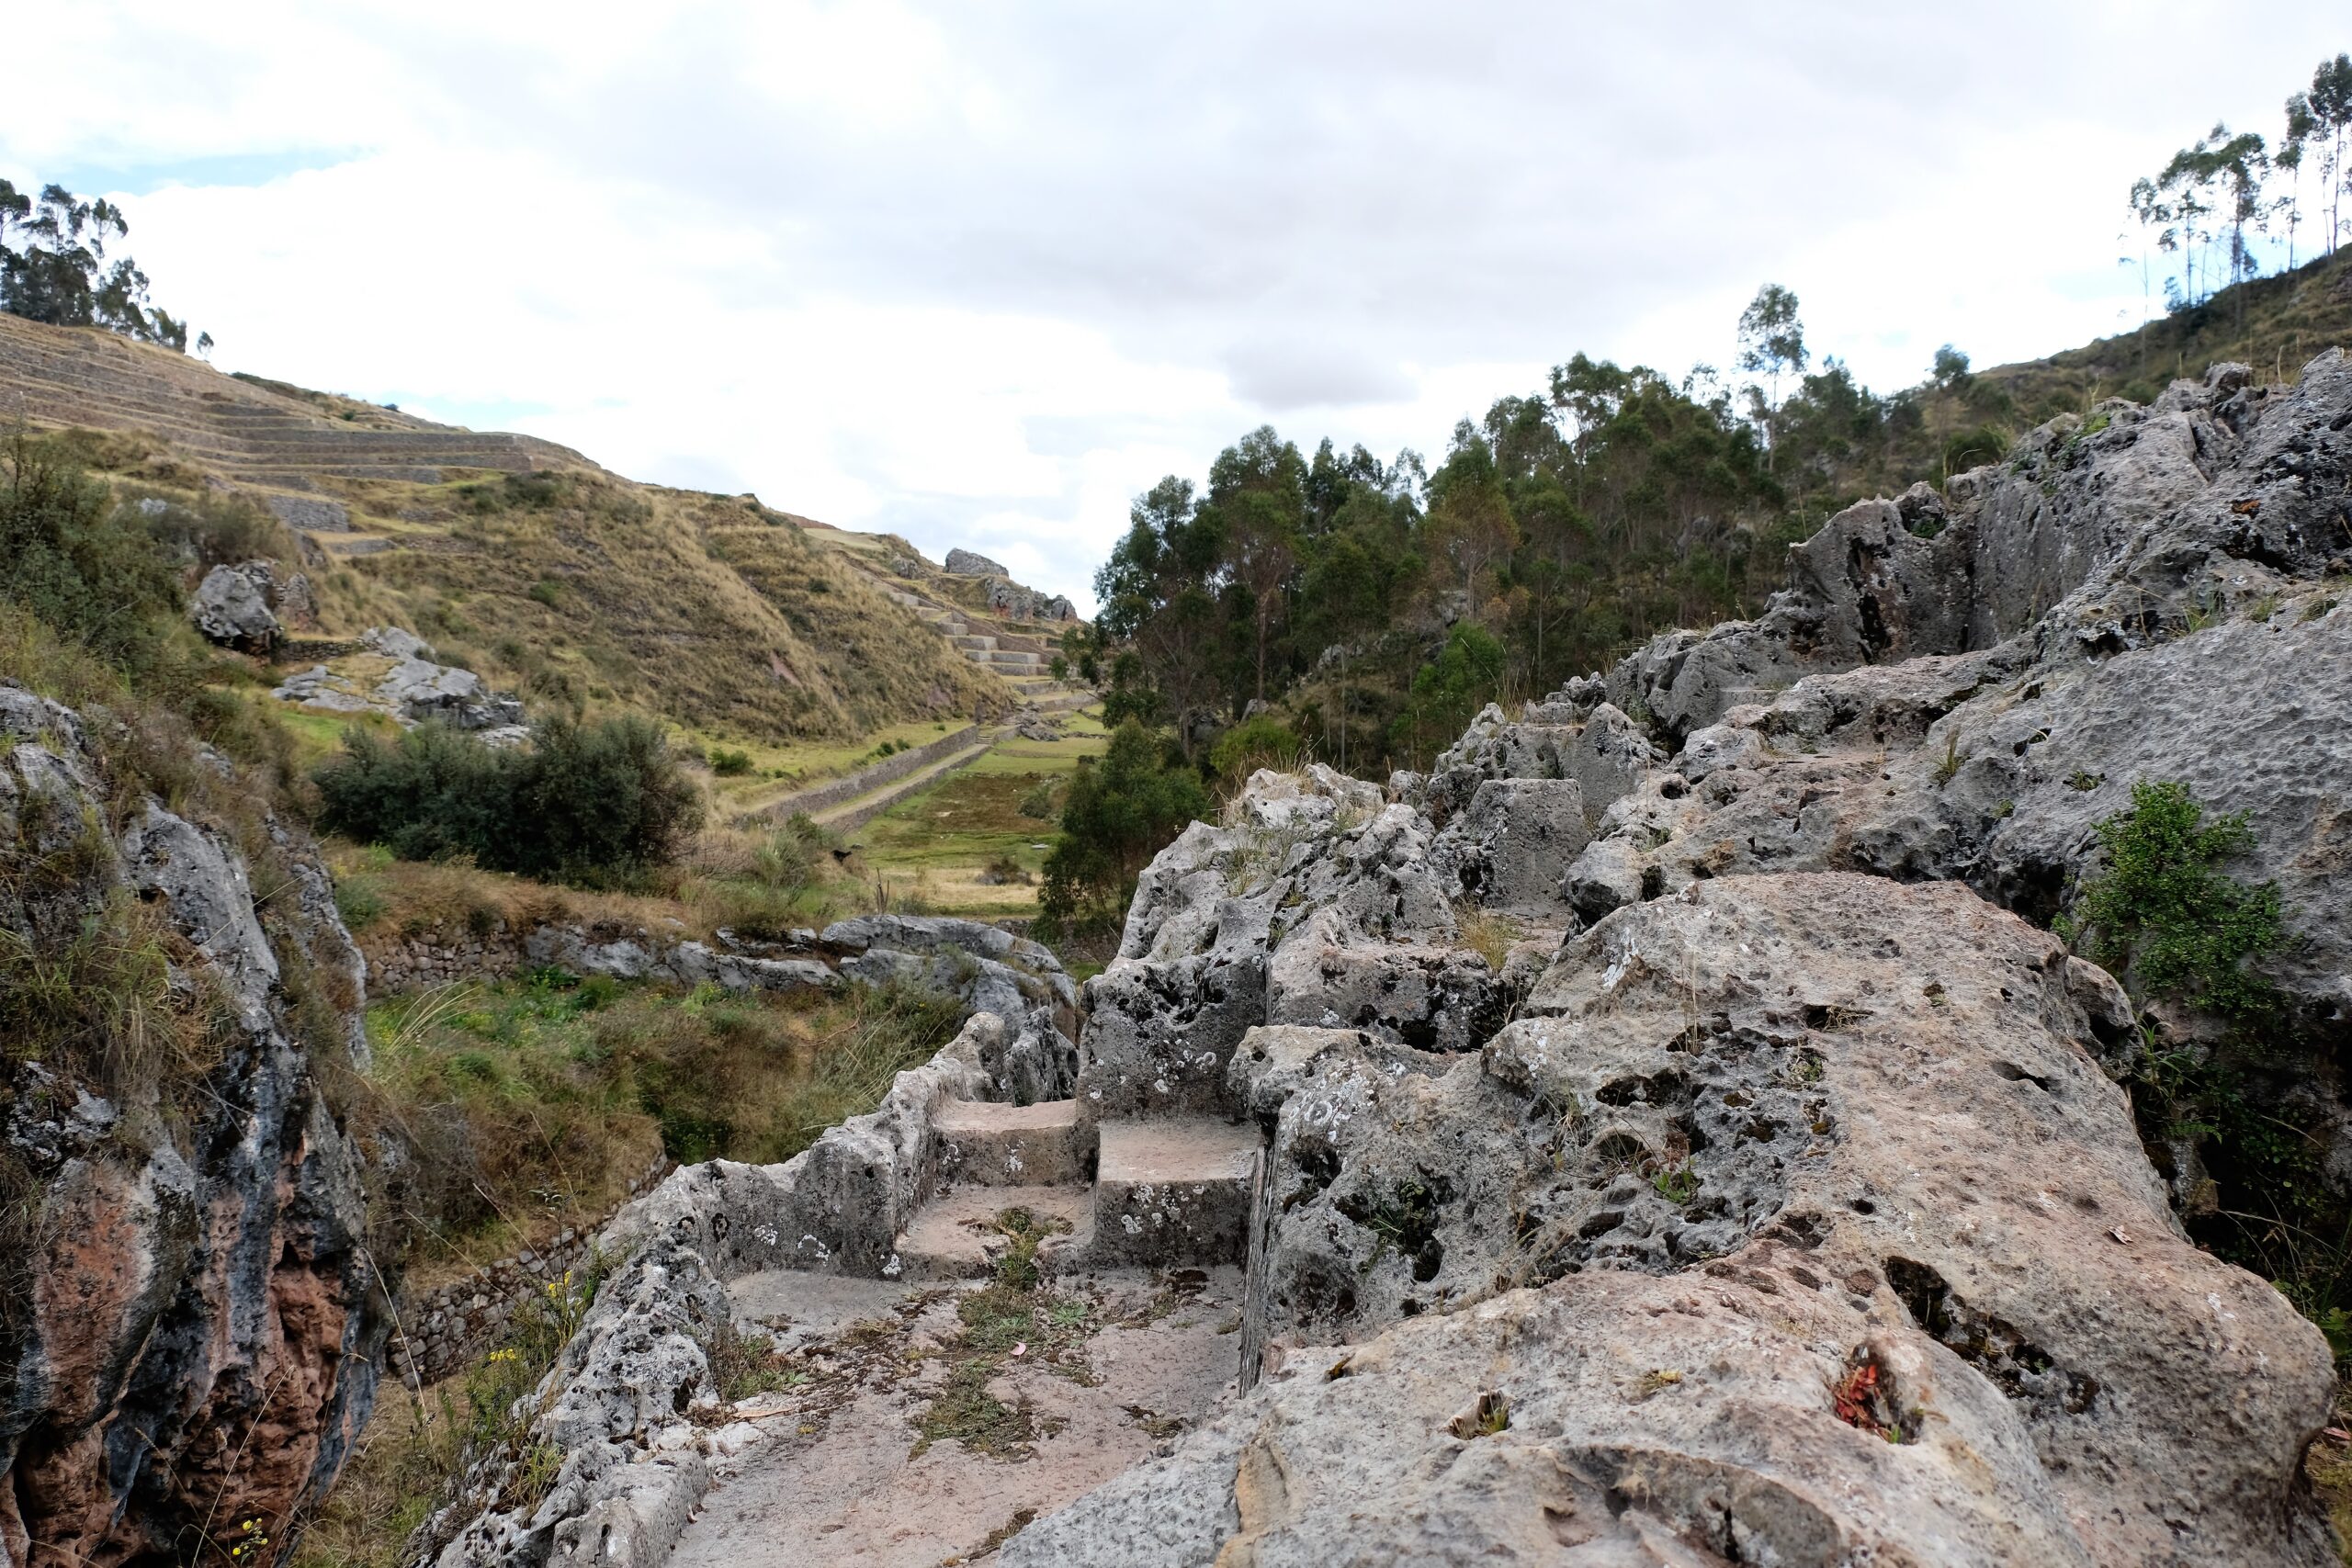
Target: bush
[(729, 764), (212, 530), (1122, 810), (2162, 918), (1448, 691), (79, 563), (1263, 741), (1039, 802), (587, 801)]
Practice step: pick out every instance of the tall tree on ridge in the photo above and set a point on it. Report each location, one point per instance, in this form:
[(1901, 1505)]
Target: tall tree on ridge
[(2329, 104), (1258, 497), (58, 274), (1771, 344)]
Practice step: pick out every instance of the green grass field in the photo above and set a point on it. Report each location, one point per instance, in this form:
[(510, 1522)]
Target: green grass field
[(933, 848)]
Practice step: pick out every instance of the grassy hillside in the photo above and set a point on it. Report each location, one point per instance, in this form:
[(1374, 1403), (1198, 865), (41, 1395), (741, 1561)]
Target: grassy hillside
[(519, 558), (2276, 324)]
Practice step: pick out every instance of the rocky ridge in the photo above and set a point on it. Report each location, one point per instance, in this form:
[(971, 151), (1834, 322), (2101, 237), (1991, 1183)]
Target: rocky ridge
[(1660, 1136), (1763, 1190), (201, 1321)]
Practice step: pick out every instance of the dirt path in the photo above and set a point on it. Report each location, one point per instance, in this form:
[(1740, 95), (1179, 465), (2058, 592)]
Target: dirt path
[(841, 1474)]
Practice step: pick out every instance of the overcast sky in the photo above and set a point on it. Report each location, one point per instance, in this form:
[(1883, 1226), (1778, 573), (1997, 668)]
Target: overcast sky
[(979, 272)]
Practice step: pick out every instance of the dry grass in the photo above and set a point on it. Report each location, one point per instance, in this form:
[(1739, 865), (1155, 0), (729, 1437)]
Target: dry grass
[(532, 1103)]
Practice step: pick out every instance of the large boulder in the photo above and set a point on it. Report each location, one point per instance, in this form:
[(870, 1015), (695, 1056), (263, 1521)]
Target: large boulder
[(195, 1318), (1797, 1223), (231, 608), (971, 563)]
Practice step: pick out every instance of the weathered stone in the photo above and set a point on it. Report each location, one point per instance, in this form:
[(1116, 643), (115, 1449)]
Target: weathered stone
[(312, 514), (199, 1324), (1718, 1144), (231, 608), (971, 563)]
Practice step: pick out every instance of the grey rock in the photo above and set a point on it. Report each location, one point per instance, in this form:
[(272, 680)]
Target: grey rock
[(1508, 849), (971, 563), (231, 608), (312, 514), (395, 642), (1666, 1379)]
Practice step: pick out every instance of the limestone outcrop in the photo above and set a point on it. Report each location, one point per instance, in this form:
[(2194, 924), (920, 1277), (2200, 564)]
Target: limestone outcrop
[(1735, 1236), (1681, 1141), (412, 689), (193, 1319), (971, 563)]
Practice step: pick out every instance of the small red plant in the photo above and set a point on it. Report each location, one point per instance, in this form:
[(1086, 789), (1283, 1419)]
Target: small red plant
[(1853, 1394)]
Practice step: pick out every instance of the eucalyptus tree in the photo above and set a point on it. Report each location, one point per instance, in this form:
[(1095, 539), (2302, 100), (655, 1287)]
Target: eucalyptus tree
[(54, 267), (1771, 344)]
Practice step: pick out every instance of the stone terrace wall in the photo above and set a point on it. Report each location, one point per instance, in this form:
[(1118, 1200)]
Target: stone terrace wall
[(442, 1329), (889, 770), (398, 961)]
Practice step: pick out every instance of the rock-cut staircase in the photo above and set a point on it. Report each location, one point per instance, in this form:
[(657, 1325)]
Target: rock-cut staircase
[(1117, 1193)]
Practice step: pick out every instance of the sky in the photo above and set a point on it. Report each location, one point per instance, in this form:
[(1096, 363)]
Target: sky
[(979, 272)]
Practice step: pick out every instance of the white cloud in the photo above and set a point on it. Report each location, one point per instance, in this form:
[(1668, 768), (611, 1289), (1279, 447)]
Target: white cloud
[(979, 275)]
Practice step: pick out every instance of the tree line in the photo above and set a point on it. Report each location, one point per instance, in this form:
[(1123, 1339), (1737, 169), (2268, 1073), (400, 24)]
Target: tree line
[(1383, 602), (53, 269), (2206, 207)]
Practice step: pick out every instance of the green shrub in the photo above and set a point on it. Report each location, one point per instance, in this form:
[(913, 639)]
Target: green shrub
[(585, 801), (728, 763), (1263, 741), (212, 530), (1448, 691), (1039, 802), (2164, 919), (83, 566)]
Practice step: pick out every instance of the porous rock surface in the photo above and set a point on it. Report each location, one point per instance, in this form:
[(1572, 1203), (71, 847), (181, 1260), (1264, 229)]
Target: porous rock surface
[(971, 563), (1772, 1198), (232, 607), (196, 1323)]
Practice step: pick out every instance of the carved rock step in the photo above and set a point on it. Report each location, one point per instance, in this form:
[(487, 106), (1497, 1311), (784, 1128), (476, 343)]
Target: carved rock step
[(955, 1236), (1173, 1190), (982, 1143)]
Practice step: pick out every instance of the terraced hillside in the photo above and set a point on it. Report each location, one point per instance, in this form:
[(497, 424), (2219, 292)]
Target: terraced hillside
[(254, 433), (523, 559)]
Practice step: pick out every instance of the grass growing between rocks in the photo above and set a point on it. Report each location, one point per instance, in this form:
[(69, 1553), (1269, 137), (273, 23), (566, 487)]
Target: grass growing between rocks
[(1014, 1318), (419, 1443), (533, 1103)]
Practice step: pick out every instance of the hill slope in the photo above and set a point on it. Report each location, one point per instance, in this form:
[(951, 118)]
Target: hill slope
[(518, 558)]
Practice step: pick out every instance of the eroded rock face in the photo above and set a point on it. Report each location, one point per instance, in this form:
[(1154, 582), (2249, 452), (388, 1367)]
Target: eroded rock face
[(2098, 535), (201, 1324), (1768, 1148), (1779, 1204), (971, 563)]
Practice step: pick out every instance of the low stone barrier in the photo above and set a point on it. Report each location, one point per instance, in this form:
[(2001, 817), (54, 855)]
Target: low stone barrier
[(887, 771)]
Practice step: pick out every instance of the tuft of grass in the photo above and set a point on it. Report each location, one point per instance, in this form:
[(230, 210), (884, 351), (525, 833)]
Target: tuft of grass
[(1014, 1311), (1949, 767)]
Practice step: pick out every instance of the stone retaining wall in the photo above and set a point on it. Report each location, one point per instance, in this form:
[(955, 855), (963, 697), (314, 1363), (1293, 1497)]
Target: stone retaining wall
[(404, 963), (445, 1327), (887, 771)]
